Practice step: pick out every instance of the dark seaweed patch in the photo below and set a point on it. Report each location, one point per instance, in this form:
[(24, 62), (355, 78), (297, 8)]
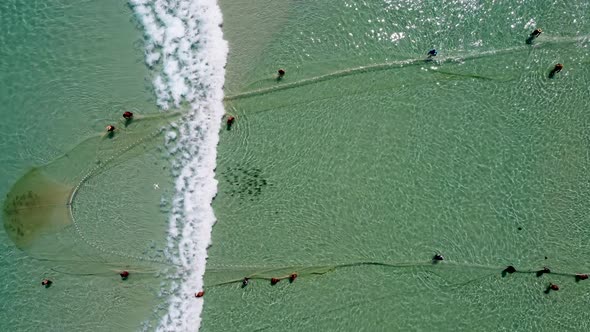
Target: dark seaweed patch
[(244, 182)]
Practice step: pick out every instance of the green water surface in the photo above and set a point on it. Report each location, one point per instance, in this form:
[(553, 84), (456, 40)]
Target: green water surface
[(354, 177), (67, 70)]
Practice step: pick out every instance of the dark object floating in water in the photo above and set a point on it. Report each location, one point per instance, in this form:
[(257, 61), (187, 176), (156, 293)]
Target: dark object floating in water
[(543, 271), (536, 33), (510, 269), (38, 209), (230, 121), (558, 67), (124, 275), (551, 287)]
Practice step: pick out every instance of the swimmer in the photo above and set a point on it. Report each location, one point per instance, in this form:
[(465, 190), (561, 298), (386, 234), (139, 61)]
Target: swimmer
[(438, 257), (274, 281), (281, 72), (292, 277), (581, 277), (110, 128), (533, 36), (432, 52), (200, 294), (127, 115), (124, 275), (536, 33), (509, 269), (553, 287), (543, 271), (558, 67), (245, 282), (46, 283), (230, 121)]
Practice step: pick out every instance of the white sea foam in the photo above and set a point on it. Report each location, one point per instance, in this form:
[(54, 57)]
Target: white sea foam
[(185, 46)]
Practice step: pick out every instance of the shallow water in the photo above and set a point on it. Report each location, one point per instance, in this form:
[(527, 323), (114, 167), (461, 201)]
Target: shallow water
[(351, 171), (365, 160), (68, 71)]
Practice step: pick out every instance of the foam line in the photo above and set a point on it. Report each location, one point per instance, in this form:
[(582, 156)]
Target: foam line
[(185, 46)]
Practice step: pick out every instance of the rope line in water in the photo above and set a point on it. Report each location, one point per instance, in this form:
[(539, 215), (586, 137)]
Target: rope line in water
[(374, 67), (324, 269), (401, 64), (114, 267), (317, 79), (76, 261)]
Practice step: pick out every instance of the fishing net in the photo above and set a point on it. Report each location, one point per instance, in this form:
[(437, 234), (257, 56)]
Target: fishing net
[(86, 211)]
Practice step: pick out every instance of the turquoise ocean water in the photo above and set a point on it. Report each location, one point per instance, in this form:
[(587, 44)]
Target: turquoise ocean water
[(68, 70), (352, 171), (365, 160), (82, 205)]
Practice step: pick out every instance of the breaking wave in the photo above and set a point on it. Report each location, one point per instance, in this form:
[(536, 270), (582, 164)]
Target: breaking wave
[(185, 48)]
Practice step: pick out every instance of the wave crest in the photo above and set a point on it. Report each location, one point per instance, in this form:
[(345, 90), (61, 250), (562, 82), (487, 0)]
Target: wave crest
[(185, 47)]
